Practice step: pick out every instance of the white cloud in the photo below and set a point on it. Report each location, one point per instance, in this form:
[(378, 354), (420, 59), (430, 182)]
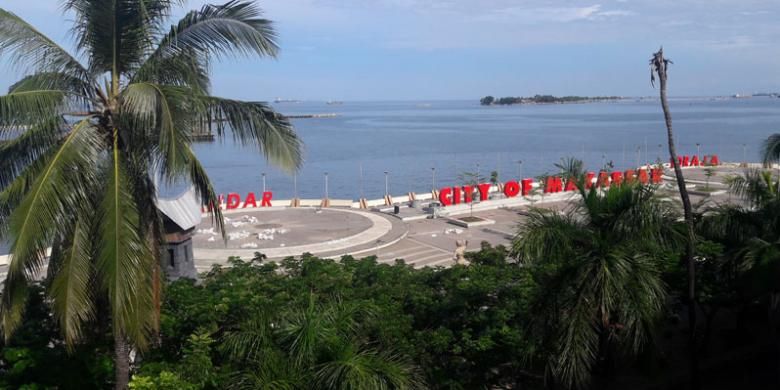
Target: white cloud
[(532, 15)]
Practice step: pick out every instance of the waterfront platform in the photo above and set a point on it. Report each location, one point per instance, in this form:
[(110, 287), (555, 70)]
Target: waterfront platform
[(420, 241), (281, 232)]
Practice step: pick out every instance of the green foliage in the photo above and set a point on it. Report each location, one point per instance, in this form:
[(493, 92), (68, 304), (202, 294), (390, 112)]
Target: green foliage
[(88, 190), (600, 264), (487, 100), (543, 99)]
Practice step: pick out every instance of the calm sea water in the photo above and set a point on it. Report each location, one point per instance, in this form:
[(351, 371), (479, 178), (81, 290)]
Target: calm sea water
[(407, 139)]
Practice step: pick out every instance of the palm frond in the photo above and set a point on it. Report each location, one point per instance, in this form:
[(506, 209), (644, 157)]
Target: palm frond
[(125, 263), (71, 290), (33, 52), (205, 190), (160, 110), (257, 124), (547, 236), (22, 151), (235, 27), (186, 68), (771, 149), (26, 108), (117, 34), (77, 90), (361, 368), (59, 187)]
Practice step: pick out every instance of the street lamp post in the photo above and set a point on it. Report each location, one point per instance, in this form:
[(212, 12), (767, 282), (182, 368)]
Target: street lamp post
[(326, 185), (295, 185), (387, 184), (744, 154), (698, 149), (433, 179), (361, 181), (519, 169), (263, 182)]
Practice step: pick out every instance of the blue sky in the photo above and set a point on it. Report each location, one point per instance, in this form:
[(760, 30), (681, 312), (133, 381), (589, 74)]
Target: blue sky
[(465, 49)]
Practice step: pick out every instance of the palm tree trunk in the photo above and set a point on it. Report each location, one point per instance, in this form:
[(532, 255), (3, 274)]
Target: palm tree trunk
[(121, 361), (660, 67)]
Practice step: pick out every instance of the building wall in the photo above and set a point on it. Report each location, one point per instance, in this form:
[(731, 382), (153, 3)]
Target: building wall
[(177, 261)]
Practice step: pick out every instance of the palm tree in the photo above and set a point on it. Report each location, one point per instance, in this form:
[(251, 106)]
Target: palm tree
[(600, 266), (89, 138), (753, 232), (313, 348), (659, 66)]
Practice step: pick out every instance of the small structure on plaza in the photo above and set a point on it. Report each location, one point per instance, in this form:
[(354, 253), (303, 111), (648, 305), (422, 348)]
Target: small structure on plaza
[(460, 252), (180, 217)]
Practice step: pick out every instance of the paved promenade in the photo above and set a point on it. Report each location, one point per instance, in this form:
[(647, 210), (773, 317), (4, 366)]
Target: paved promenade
[(280, 232)]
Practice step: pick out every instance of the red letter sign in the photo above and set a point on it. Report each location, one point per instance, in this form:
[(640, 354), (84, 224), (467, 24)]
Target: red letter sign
[(617, 178), (483, 191), (553, 184), (528, 185), (444, 196), (266, 202), (250, 199), (233, 200), (511, 189)]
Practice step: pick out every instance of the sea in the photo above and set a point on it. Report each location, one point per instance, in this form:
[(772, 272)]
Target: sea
[(369, 148)]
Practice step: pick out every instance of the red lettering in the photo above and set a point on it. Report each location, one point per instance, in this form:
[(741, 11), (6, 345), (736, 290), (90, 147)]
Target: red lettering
[(511, 189), (571, 184), (655, 174), (233, 200), (695, 161), (686, 161), (455, 195), (553, 184), (705, 161), (483, 191), (468, 193), (603, 179), (266, 201), (643, 176), (445, 196), (528, 185), (714, 160), (617, 178), (629, 176), (250, 199), (589, 180)]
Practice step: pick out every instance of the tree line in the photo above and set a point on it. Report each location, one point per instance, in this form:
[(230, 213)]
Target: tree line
[(543, 99)]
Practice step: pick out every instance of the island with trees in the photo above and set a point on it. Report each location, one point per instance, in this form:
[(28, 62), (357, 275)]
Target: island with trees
[(544, 99)]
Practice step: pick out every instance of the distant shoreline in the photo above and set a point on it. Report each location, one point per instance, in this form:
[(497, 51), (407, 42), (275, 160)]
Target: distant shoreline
[(545, 99)]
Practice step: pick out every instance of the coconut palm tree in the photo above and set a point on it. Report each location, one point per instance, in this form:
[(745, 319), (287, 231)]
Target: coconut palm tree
[(600, 265), (658, 67), (89, 137)]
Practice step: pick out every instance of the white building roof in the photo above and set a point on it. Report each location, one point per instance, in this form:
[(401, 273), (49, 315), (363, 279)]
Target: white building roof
[(183, 210)]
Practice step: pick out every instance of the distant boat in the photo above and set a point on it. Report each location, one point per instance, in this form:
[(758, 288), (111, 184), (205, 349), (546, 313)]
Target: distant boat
[(280, 100), (334, 102), (739, 96)]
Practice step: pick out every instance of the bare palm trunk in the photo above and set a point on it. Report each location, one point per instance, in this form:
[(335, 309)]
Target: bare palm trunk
[(659, 65), (121, 361)]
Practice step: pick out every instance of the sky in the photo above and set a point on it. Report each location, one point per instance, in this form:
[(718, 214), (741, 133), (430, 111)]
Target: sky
[(465, 49)]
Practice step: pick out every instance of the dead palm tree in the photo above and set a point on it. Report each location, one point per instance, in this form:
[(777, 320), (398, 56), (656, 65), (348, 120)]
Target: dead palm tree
[(659, 66), (88, 139)]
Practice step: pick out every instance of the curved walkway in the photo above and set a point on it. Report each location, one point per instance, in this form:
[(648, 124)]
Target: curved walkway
[(384, 230)]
